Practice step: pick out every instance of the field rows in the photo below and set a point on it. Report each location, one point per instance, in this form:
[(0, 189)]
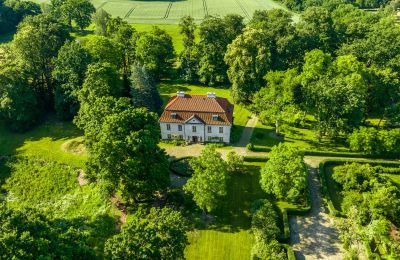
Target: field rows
[(172, 11)]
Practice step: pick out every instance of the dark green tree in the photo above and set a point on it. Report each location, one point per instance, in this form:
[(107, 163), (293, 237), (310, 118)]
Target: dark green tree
[(144, 91), (284, 174), (69, 72), (159, 235), (188, 58), (209, 180), (126, 156)]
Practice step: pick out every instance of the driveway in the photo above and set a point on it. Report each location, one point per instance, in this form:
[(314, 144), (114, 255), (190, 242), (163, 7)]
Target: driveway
[(314, 236)]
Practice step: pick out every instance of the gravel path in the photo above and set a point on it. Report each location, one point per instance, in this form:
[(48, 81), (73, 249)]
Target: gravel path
[(314, 236), (247, 132)]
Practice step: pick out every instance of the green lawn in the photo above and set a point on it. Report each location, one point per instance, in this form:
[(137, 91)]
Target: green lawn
[(300, 137), (241, 114), (230, 236), (334, 188)]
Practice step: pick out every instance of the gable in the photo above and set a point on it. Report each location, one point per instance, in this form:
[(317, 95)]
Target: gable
[(194, 120)]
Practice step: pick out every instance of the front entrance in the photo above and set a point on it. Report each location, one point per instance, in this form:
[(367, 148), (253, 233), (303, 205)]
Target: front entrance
[(195, 139)]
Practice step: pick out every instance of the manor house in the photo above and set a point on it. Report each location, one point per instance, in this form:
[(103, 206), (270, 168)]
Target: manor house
[(197, 118)]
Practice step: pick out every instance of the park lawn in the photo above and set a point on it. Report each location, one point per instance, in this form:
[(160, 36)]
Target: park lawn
[(301, 137), (230, 237), (241, 114), (395, 178)]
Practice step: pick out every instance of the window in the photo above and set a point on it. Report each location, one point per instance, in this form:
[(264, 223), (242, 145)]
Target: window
[(209, 138), (169, 136), (194, 129), (221, 139), (168, 127), (221, 130), (180, 137), (215, 117), (179, 127), (209, 129)]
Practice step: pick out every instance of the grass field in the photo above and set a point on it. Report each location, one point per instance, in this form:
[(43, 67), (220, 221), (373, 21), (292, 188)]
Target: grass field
[(230, 236)]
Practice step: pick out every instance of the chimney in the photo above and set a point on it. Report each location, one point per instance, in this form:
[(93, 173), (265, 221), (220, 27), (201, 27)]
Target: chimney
[(211, 95), (180, 94)]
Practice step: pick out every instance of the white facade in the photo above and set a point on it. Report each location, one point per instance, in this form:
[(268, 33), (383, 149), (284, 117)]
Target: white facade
[(196, 131)]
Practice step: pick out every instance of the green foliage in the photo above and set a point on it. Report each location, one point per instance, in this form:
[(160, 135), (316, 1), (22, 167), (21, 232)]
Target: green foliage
[(276, 103), (78, 11), (235, 163), (29, 234), (13, 12), (159, 235), (126, 156), (215, 34), (154, 50), (105, 50), (209, 180), (375, 142), (181, 166), (100, 18), (265, 229), (144, 91), (284, 174), (188, 58), (69, 73)]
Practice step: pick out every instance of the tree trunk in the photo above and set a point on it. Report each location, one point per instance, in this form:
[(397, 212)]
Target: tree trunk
[(277, 127)]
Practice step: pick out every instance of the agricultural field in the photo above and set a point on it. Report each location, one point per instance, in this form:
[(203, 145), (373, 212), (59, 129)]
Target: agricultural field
[(169, 12)]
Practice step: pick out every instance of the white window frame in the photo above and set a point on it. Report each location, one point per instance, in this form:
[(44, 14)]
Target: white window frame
[(194, 129), (221, 129), (169, 127)]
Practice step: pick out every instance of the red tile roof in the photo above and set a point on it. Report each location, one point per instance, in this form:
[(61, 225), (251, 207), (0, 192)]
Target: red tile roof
[(198, 105)]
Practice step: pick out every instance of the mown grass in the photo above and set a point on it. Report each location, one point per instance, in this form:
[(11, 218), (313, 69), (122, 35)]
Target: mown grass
[(302, 137), (229, 237), (241, 114)]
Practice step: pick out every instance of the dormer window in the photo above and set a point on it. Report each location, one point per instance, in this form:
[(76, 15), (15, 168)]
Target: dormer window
[(215, 117), (173, 115)]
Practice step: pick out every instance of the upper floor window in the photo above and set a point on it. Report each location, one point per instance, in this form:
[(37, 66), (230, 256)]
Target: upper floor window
[(221, 129), (209, 129), (194, 129), (168, 127), (179, 127)]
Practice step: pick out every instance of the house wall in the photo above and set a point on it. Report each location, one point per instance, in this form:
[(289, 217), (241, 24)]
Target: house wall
[(201, 132)]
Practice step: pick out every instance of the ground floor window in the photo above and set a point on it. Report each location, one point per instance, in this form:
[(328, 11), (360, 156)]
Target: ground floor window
[(209, 138), (169, 136), (221, 139), (180, 137)]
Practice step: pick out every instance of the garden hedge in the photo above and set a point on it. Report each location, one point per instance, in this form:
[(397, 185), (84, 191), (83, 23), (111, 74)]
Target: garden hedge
[(171, 164)]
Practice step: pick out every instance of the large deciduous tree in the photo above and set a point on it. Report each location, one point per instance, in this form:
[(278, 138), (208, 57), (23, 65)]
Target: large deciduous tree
[(159, 235), (155, 51), (284, 174), (249, 59), (209, 180), (36, 45), (188, 57), (69, 72), (126, 156), (277, 102)]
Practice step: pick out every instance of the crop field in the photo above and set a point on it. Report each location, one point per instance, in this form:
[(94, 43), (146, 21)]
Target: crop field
[(169, 12)]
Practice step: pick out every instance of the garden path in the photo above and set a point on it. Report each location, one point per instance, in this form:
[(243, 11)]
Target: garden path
[(314, 236)]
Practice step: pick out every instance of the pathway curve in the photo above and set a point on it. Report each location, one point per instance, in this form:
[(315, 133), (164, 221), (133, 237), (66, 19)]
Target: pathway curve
[(314, 236)]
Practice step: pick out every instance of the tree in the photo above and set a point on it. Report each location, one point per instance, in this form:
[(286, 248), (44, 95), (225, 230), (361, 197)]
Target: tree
[(104, 49), (101, 19), (284, 174), (79, 11), (126, 156), (235, 163), (209, 179), (69, 72), (20, 107), (188, 57), (215, 35), (159, 235), (334, 92), (13, 12), (28, 234), (249, 59), (276, 103), (155, 51), (144, 90), (36, 44)]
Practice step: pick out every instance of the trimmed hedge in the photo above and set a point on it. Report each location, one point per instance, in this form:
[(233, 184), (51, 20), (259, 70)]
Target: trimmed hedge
[(289, 252), (255, 158), (173, 162)]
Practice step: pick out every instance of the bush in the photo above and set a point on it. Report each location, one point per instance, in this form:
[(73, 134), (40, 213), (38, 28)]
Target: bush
[(181, 166), (250, 146)]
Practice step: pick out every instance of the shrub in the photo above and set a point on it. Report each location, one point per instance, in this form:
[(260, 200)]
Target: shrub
[(250, 146), (181, 166)]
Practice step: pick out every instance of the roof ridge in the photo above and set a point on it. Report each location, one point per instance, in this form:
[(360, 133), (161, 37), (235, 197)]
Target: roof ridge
[(171, 101)]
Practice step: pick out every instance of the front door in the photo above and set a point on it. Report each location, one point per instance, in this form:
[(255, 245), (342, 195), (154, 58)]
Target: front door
[(195, 139)]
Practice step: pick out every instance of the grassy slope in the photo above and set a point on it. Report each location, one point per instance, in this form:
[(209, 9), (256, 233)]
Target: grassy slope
[(230, 237)]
